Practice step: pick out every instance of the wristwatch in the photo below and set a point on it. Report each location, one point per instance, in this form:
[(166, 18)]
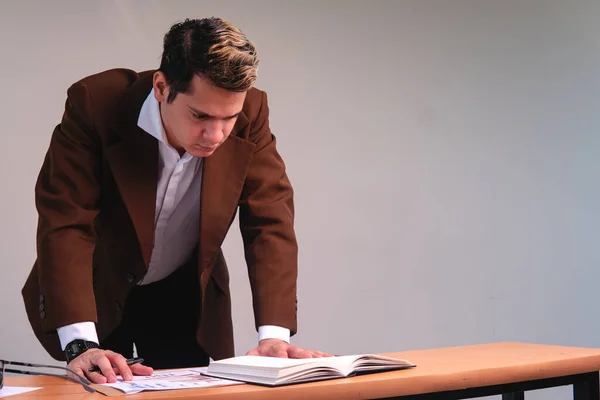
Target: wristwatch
[(77, 347)]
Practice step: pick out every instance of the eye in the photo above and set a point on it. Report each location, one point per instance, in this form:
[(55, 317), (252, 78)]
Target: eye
[(198, 116)]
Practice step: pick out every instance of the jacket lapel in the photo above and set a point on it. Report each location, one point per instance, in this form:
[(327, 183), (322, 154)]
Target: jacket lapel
[(223, 178), (133, 160)]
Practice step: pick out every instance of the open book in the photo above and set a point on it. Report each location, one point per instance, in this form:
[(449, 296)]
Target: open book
[(272, 371)]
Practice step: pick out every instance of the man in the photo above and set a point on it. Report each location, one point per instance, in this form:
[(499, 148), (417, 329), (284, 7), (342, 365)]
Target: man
[(140, 184)]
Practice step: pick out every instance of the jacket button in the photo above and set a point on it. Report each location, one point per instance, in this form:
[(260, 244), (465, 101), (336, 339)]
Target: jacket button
[(41, 298), (42, 306), (42, 314), (130, 278), (119, 306)]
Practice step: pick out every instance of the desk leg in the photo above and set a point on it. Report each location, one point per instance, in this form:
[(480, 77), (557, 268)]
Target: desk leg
[(587, 388), (513, 396)]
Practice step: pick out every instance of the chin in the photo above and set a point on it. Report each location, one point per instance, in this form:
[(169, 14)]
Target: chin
[(196, 152)]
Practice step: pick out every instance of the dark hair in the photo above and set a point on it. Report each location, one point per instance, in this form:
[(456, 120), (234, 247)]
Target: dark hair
[(211, 48)]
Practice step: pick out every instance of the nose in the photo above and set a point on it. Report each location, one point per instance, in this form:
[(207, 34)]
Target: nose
[(212, 132)]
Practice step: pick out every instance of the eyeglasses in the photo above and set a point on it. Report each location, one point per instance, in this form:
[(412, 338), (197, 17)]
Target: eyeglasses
[(79, 379)]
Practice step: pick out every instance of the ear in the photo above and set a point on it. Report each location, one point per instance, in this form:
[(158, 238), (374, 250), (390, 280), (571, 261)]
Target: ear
[(161, 87)]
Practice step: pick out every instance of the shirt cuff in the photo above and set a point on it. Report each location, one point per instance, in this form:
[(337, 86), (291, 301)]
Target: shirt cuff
[(79, 330), (273, 332)]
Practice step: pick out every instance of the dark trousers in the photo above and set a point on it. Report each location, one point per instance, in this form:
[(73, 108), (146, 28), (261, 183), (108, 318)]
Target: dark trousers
[(161, 319)]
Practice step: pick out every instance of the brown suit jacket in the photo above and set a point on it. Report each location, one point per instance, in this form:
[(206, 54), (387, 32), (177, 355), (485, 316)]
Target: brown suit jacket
[(96, 195)]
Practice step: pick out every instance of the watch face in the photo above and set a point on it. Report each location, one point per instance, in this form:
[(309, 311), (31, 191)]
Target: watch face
[(73, 348)]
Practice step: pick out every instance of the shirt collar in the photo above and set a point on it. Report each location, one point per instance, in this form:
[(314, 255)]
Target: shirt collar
[(150, 120)]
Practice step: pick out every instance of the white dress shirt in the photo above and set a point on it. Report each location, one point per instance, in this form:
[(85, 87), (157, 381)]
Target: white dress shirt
[(176, 221)]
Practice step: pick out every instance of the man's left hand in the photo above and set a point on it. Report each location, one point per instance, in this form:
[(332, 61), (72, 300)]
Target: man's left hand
[(279, 348)]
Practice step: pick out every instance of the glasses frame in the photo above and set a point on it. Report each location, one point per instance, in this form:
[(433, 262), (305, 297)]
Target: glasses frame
[(83, 381)]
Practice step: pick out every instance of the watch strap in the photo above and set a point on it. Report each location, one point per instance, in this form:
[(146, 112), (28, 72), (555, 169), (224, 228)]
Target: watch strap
[(77, 347)]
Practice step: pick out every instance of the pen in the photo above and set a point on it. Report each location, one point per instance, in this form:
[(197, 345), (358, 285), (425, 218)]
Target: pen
[(130, 361)]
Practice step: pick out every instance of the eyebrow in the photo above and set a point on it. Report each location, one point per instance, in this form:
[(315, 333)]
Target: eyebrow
[(206, 115)]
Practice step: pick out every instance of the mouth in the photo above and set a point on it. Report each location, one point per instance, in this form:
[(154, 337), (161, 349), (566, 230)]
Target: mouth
[(206, 149)]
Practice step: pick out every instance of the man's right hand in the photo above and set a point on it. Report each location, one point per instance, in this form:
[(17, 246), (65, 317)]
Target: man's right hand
[(106, 359)]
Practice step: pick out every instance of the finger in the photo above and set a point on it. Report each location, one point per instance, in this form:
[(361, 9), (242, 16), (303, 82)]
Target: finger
[(140, 369), (79, 371), (82, 365), (120, 364), (96, 377), (298, 352), (105, 367), (279, 351), (253, 352), (321, 353)]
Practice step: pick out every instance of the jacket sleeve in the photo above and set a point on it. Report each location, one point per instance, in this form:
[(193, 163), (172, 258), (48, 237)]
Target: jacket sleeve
[(67, 195), (267, 227)]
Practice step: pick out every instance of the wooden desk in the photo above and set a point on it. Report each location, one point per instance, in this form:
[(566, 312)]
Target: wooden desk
[(447, 373)]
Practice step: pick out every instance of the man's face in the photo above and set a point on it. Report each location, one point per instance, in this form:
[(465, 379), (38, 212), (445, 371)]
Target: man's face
[(200, 121)]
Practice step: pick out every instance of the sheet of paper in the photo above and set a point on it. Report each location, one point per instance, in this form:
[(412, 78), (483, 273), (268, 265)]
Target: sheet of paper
[(12, 390), (190, 378)]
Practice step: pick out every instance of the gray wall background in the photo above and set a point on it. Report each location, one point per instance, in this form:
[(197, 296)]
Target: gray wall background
[(444, 156)]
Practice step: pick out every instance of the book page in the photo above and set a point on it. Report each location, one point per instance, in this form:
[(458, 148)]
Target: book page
[(265, 362), (375, 360), (166, 380)]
